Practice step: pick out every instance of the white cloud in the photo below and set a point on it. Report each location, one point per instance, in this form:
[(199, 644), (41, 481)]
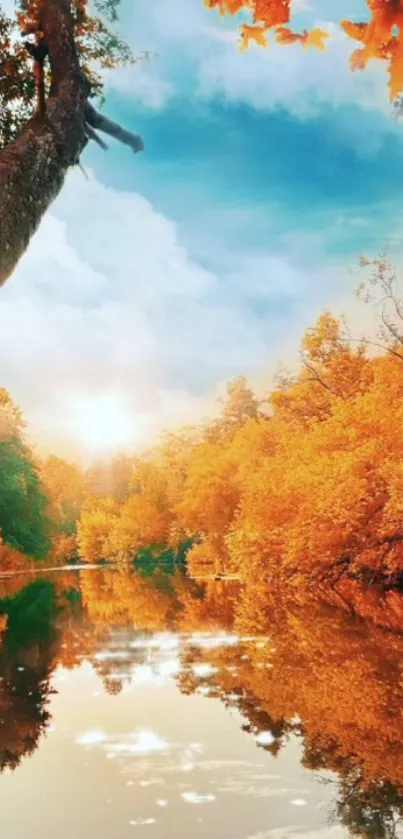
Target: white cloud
[(287, 76), (196, 40), (110, 331), (142, 83), (291, 78), (99, 316)]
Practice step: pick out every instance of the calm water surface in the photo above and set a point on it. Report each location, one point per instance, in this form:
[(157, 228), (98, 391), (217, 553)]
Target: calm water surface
[(135, 706)]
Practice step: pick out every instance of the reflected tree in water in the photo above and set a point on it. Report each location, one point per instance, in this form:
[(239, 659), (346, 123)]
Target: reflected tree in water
[(333, 682), (27, 659)]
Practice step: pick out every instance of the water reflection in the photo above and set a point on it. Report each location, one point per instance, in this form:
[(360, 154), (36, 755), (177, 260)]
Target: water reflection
[(152, 703)]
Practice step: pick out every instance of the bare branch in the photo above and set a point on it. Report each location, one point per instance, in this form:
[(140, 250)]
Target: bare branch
[(92, 135), (390, 328), (102, 123), (318, 378), (377, 344)]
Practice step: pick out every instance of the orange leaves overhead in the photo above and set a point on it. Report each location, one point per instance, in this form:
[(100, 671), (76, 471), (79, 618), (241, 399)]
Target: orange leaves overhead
[(230, 7), (314, 38), (270, 13), (358, 31), (380, 37), (266, 15), (253, 33)]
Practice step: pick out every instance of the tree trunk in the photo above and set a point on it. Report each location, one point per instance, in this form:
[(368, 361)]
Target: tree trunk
[(33, 167)]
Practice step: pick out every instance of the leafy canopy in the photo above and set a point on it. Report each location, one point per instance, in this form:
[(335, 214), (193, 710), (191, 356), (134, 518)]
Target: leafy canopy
[(99, 47)]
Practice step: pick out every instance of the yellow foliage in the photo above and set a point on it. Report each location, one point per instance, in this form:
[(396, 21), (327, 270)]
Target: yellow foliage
[(305, 488), (96, 525), (315, 38)]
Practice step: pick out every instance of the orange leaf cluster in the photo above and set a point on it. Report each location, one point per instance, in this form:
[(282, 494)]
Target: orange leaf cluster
[(380, 37), (305, 486)]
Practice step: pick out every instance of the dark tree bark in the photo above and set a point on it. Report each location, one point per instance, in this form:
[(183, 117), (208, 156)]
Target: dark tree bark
[(34, 166)]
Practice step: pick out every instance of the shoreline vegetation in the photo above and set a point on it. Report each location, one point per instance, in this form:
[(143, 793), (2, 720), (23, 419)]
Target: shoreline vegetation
[(301, 492)]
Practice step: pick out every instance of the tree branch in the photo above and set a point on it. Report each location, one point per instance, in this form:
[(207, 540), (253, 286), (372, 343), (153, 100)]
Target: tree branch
[(316, 377), (92, 135), (102, 123)]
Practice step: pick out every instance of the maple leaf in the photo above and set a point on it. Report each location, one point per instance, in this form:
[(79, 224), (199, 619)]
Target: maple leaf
[(315, 38), (358, 31), (380, 37), (271, 13), (284, 35), (253, 33), (225, 7)]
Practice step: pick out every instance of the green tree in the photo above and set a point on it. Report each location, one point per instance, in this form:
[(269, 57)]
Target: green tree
[(23, 523)]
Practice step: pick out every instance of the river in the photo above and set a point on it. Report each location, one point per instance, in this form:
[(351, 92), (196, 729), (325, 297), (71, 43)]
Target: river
[(135, 705)]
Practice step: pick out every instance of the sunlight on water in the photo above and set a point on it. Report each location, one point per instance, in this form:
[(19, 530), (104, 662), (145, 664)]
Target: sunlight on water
[(91, 738)]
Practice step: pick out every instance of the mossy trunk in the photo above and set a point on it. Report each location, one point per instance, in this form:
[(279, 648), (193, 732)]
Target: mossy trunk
[(34, 166)]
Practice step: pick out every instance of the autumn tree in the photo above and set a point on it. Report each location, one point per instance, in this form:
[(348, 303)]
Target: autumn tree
[(63, 484), (300, 490), (210, 492), (119, 531), (238, 405), (97, 522), (333, 369), (379, 287), (50, 51)]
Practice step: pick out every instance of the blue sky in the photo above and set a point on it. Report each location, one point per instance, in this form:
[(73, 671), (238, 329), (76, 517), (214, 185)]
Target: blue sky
[(265, 175)]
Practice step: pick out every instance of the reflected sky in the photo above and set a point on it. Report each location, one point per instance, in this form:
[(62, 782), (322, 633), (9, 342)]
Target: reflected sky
[(152, 757)]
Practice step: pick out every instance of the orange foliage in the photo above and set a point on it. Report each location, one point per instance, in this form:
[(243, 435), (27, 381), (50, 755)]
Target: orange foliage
[(11, 560), (302, 490), (95, 528), (108, 530), (380, 37)]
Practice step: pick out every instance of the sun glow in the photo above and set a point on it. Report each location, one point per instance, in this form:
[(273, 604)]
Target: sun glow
[(103, 423)]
